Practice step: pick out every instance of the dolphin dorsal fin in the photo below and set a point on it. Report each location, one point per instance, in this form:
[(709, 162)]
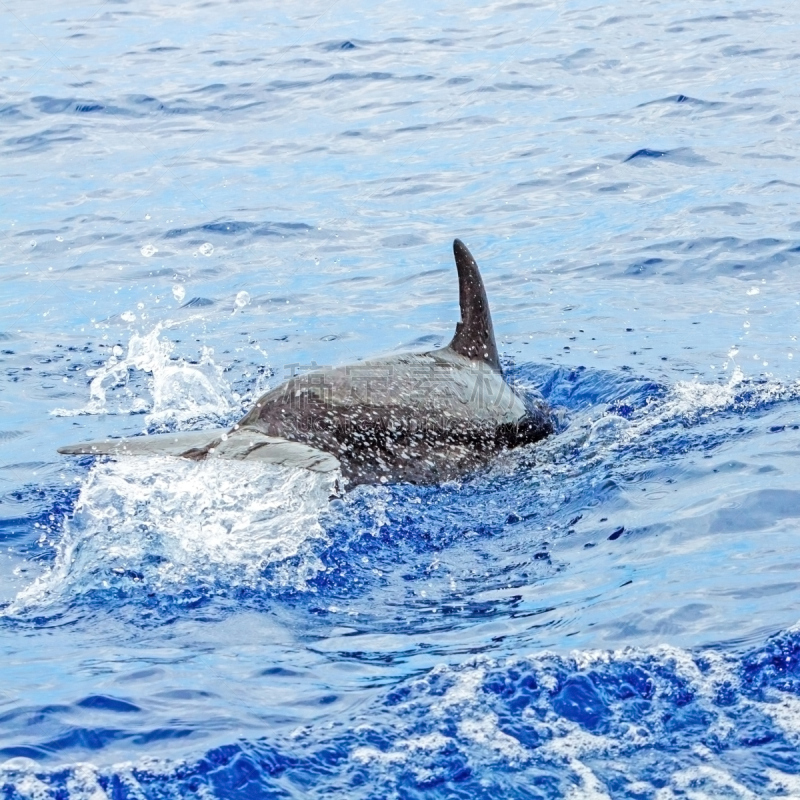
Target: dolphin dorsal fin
[(474, 334)]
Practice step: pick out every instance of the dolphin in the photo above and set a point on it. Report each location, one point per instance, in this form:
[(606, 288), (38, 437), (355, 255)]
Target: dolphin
[(420, 418)]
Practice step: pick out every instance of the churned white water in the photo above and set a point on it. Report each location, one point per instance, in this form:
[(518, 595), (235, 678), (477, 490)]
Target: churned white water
[(169, 524)]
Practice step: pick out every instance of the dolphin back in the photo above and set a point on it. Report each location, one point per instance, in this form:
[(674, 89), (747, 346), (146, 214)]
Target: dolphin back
[(474, 338)]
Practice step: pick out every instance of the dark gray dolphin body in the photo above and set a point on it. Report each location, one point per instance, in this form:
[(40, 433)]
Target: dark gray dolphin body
[(415, 417)]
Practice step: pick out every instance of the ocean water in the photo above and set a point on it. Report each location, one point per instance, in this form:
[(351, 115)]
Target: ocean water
[(199, 197)]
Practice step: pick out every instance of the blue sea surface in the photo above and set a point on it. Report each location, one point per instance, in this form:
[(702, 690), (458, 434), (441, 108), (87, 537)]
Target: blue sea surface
[(200, 198)]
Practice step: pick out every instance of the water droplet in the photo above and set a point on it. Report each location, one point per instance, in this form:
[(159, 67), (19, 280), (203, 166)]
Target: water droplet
[(206, 249), (178, 292), (242, 299), (733, 352), (59, 238), (128, 316), (140, 306), (148, 250), (747, 325), (117, 350), (147, 216), (754, 290)]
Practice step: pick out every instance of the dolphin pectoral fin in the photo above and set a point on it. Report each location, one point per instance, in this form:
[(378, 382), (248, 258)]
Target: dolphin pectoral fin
[(474, 336), (251, 445), (161, 444), (243, 445)]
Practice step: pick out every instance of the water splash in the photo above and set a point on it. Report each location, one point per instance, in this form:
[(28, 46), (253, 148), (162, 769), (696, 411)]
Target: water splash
[(170, 526), (597, 435), (175, 390)]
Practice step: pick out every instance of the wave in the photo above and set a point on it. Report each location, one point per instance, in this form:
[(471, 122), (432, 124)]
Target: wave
[(657, 723)]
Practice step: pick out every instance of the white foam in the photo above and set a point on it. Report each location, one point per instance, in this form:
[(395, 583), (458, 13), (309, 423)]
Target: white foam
[(785, 712), (695, 400), (708, 783), (174, 524), (367, 754), (30, 781), (82, 782), (464, 689), (21, 774), (483, 730), (783, 784), (597, 433), (589, 788)]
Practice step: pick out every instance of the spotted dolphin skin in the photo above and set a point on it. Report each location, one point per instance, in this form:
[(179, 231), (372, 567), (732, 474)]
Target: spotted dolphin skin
[(415, 417)]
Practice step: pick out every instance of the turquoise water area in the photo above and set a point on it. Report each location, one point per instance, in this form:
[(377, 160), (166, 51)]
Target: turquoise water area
[(197, 196)]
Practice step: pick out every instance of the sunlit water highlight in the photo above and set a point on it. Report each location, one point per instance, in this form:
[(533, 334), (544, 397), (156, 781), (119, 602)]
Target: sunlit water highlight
[(200, 200)]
